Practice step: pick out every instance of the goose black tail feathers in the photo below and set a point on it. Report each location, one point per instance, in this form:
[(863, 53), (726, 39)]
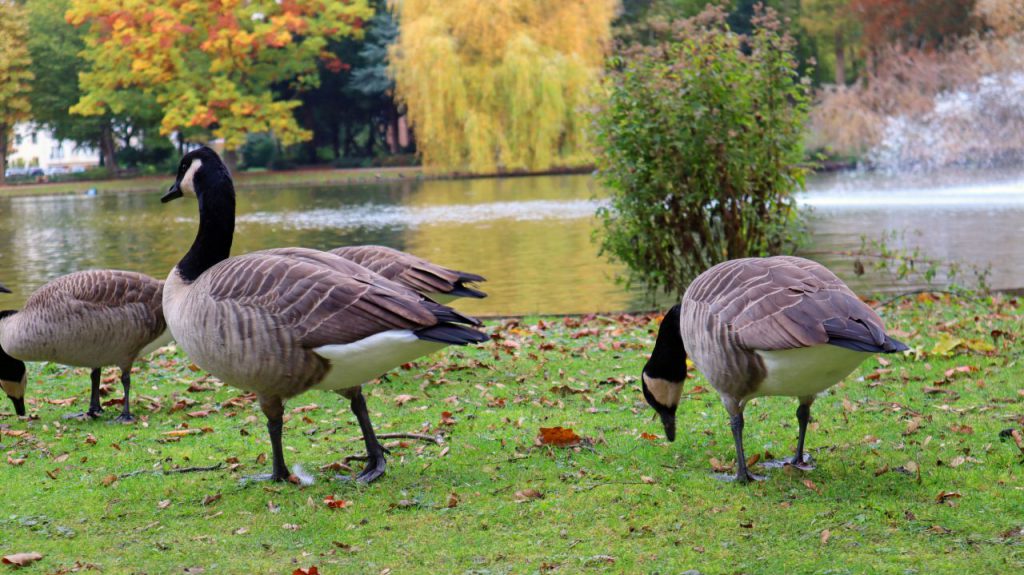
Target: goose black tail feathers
[(450, 333)]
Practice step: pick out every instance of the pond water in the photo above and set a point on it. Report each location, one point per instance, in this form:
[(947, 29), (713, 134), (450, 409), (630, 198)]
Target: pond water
[(531, 237)]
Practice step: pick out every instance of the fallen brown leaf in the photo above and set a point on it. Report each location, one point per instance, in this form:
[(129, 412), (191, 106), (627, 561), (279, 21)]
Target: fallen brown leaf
[(453, 500), (403, 399), (810, 485), (944, 496), (306, 571), (558, 436), (965, 429), (527, 494), (647, 479), (109, 480), (720, 467), (211, 499), (825, 535), (21, 559), (15, 461)]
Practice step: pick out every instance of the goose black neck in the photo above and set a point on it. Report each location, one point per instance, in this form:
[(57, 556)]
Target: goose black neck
[(668, 360), (11, 369), (216, 227)]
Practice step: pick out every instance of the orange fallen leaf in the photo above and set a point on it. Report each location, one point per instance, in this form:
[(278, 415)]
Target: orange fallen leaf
[(527, 494), (21, 559), (648, 436), (211, 499), (109, 480), (15, 461), (558, 436), (810, 485), (453, 500), (306, 571), (333, 503), (181, 432), (446, 418), (944, 496)]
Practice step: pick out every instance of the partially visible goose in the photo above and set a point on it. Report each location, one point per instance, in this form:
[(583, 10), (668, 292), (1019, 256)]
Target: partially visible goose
[(282, 322), (763, 326), (92, 318), (439, 283), (12, 371)]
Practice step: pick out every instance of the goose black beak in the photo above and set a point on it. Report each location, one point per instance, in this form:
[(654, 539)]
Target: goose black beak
[(3, 289), (19, 405), (173, 193), (669, 421)]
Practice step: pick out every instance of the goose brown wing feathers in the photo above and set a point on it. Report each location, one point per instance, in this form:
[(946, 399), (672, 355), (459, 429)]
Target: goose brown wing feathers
[(106, 291), (786, 302), (320, 305), (417, 273)]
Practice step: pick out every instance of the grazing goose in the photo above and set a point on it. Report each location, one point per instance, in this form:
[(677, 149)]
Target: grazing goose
[(282, 322), (762, 326), (438, 283), (92, 318), (12, 371)]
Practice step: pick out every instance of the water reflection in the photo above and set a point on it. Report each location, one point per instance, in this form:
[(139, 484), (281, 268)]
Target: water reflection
[(529, 236)]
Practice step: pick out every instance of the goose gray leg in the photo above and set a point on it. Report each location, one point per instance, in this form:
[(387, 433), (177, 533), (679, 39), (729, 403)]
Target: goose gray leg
[(375, 463), (273, 408), (743, 475), (95, 409), (126, 382)]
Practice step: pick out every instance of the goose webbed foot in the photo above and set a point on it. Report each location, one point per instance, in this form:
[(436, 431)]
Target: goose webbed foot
[(125, 417), (91, 414), (744, 476), (804, 463)]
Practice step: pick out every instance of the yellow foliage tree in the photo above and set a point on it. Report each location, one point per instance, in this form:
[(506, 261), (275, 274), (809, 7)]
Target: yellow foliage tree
[(500, 85), (210, 63), (15, 74)]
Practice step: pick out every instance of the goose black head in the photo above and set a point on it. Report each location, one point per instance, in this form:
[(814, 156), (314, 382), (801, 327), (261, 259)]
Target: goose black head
[(200, 168), (665, 371), (12, 375)]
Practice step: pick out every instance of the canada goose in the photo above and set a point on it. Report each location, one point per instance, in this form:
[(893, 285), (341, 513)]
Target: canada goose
[(281, 322), (92, 318), (758, 327), (436, 282)]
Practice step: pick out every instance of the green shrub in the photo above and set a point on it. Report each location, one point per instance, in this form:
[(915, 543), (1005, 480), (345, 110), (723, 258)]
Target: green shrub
[(259, 151), (700, 143)]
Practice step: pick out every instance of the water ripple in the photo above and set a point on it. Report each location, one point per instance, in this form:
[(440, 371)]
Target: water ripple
[(381, 216)]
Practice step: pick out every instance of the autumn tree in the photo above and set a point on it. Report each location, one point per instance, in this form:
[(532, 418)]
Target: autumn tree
[(914, 23), (15, 74), (833, 23), (500, 85), (211, 65)]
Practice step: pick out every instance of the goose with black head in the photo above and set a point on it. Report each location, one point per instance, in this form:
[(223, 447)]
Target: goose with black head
[(757, 327), (282, 322)]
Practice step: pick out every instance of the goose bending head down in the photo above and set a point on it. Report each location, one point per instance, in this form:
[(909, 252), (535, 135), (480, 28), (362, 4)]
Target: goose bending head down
[(91, 318), (761, 327), (284, 321)]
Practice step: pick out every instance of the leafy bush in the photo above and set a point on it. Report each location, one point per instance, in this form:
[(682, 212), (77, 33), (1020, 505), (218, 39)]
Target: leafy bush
[(700, 143), (259, 151)]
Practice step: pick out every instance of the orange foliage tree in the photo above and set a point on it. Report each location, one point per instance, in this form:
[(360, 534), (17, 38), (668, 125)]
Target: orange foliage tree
[(211, 64), (913, 23)]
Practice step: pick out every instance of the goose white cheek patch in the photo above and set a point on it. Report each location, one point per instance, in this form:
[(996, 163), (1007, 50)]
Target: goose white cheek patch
[(188, 185)]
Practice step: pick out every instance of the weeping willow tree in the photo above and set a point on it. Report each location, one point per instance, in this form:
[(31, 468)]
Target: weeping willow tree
[(502, 85)]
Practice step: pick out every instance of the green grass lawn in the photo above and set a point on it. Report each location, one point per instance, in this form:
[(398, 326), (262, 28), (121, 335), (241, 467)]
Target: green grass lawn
[(492, 500), (255, 179)]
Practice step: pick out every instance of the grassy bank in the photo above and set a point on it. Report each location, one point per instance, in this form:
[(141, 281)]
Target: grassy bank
[(256, 179), (912, 475)]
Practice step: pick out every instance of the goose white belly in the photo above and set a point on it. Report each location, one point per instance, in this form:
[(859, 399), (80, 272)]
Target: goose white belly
[(355, 363), (806, 371)]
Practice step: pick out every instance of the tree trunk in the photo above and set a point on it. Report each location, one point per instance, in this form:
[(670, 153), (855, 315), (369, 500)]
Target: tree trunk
[(3, 153), (107, 149), (231, 160), (840, 58)]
